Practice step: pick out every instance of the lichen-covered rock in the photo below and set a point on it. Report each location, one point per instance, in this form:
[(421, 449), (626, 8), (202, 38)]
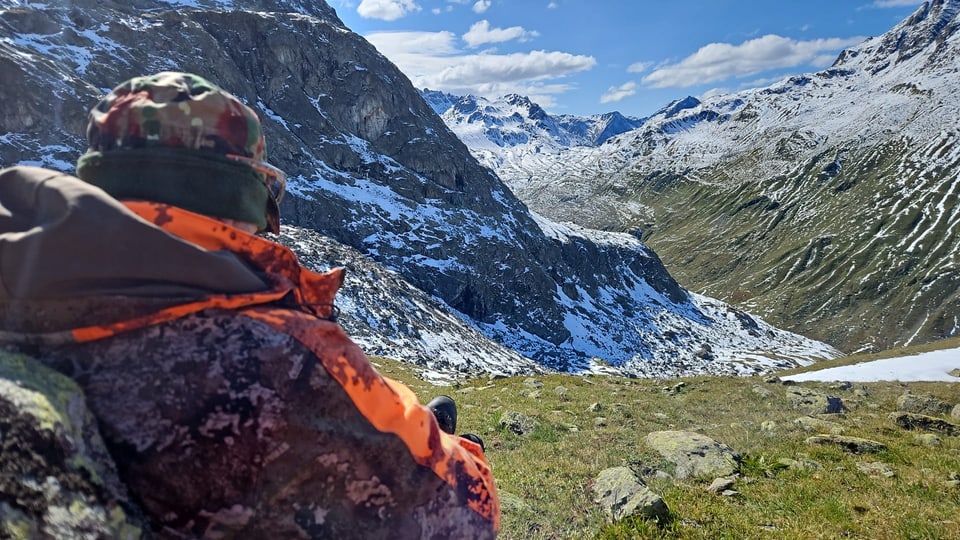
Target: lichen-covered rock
[(923, 404), (695, 455), (519, 424), (56, 478), (814, 402), (876, 469), (510, 503), (621, 494), (802, 464), (850, 444), (923, 422), (810, 423)]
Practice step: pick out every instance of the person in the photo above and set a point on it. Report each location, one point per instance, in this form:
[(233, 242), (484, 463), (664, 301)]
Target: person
[(232, 403)]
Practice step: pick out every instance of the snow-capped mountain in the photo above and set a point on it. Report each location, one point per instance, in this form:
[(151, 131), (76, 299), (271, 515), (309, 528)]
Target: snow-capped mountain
[(827, 202), (492, 128), (372, 167)]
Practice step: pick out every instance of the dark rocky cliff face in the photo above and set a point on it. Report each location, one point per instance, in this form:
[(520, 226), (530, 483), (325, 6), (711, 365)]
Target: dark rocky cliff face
[(370, 163)]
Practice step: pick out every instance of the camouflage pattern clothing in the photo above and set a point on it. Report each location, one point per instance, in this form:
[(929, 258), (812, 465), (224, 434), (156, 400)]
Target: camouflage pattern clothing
[(232, 405), (178, 138)]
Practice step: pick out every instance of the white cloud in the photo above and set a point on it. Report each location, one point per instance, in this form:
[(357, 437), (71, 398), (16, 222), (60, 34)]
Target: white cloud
[(481, 6), (534, 65), (723, 61), (639, 67), (552, 5), (895, 3), (481, 33), (414, 44), (387, 10), (432, 60), (617, 93)]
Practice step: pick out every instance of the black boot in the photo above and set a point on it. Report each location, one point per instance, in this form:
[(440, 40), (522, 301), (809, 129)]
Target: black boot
[(445, 410), (474, 438)]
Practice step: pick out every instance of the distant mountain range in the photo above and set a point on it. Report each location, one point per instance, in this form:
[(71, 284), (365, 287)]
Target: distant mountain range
[(827, 202), (449, 270)]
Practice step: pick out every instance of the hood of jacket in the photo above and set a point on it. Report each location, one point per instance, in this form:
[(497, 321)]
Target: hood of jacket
[(61, 237)]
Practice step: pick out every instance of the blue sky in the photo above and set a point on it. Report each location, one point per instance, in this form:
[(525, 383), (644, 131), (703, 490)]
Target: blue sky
[(594, 56)]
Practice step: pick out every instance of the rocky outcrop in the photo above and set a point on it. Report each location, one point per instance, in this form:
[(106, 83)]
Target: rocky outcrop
[(810, 423), (57, 479), (857, 445), (695, 455), (814, 402), (924, 423), (923, 404), (517, 423), (622, 494)]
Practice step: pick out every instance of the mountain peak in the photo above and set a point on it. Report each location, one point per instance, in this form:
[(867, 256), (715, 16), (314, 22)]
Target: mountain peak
[(675, 107), (927, 29)]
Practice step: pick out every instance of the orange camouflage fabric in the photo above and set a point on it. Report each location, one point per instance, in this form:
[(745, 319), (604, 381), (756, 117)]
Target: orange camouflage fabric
[(222, 425)]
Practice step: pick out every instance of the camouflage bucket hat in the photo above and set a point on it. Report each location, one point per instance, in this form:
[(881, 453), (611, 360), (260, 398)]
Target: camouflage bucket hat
[(182, 111)]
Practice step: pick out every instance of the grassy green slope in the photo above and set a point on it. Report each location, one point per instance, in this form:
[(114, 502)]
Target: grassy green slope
[(855, 247), (545, 478)]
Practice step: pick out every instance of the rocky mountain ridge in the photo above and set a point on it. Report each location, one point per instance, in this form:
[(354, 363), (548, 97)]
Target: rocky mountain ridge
[(826, 202), (372, 167)]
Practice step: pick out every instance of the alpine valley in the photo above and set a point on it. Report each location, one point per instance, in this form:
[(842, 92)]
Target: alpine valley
[(827, 203)]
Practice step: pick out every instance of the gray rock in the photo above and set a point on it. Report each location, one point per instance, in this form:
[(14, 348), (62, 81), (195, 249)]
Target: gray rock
[(595, 407), (876, 469), (955, 413), (694, 455), (761, 391), (561, 392), (600, 422), (768, 427), (953, 481), (923, 404), (923, 423), (851, 444), (814, 402), (720, 485), (519, 424), (800, 465), (621, 494), (674, 389), (810, 423), (928, 439), (56, 478), (510, 503), (533, 384)]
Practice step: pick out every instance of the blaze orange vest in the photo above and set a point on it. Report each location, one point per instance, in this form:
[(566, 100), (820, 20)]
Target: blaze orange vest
[(390, 406)]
